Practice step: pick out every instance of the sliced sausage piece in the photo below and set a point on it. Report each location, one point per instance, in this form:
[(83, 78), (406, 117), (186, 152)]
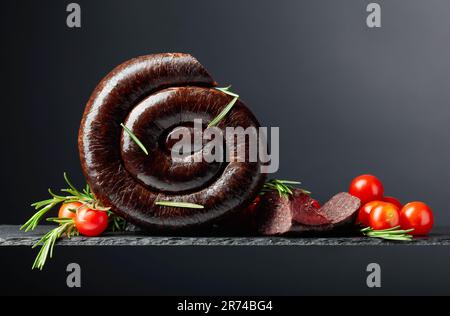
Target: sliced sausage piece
[(340, 212), (303, 210), (341, 208), (274, 214)]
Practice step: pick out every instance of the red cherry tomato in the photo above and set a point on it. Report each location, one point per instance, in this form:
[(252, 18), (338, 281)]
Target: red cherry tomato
[(417, 215), (254, 205), (315, 204), (364, 213), (367, 188), (384, 216), (393, 200), (91, 222), (68, 210)]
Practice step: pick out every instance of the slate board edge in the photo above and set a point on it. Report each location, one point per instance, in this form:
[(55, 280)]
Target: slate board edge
[(11, 237)]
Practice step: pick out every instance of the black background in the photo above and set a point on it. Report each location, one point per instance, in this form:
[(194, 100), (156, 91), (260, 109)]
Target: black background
[(348, 99), (219, 271)]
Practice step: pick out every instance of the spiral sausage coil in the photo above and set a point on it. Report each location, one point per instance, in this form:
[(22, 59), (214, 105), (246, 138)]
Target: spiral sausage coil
[(153, 96)]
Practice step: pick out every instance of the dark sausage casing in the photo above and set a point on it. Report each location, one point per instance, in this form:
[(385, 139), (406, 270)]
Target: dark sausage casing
[(153, 96)]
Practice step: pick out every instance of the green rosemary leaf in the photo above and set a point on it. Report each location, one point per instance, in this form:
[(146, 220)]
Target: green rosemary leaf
[(134, 138), (36, 218), (66, 178), (179, 204), (118, 223), (393, 237), (288, 182), (43, 202), (59, 220), (284, 187), (393, 233), (222, 114), (44, 206), (48, 242), (55, 196), (385, 230), (65, 225), (226, 90)]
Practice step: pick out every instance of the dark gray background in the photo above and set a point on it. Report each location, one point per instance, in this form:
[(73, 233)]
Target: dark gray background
[(348, 100), (230, 271)]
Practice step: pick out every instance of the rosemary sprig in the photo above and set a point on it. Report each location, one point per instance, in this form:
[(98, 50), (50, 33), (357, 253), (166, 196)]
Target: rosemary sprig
[(284, 187), (227, 109), (44, 206), (179, 204), (226, 90), (66, 226), (393, 233), (134, 138), (117, 223), (48, 241)]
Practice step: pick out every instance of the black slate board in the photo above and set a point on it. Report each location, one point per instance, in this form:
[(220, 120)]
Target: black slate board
[(12, 236), (226, 265)]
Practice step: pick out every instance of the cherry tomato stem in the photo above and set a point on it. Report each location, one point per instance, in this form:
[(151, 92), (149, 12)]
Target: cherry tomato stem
[(68, 210)]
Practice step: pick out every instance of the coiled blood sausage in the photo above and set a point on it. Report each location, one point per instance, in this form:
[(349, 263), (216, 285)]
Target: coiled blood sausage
[(154, 96)]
